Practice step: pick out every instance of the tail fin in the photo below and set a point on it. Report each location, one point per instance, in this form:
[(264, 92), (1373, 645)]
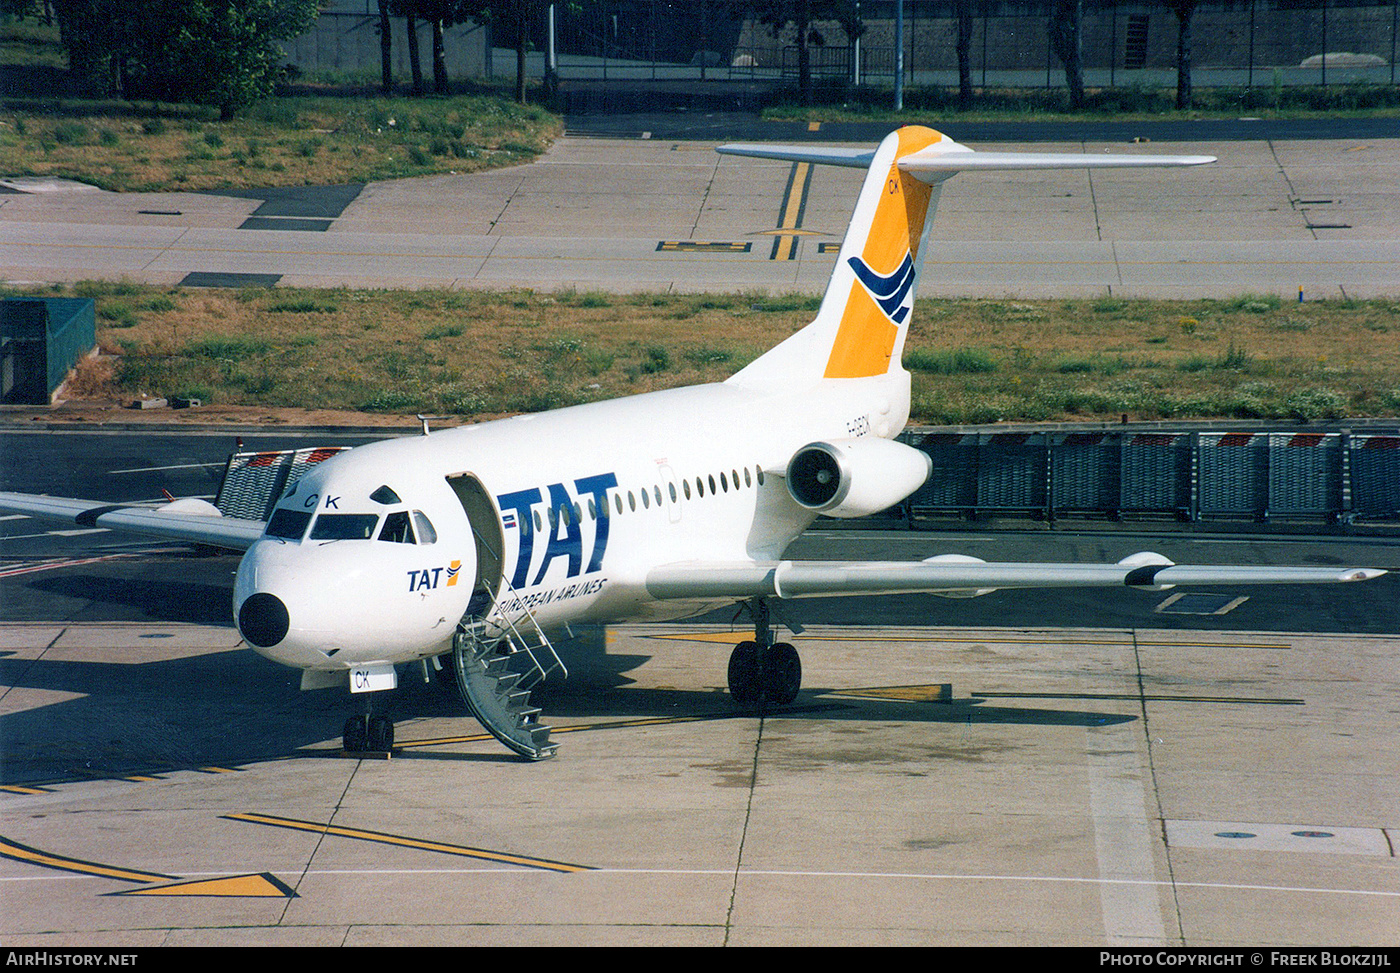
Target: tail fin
[(860, 329)]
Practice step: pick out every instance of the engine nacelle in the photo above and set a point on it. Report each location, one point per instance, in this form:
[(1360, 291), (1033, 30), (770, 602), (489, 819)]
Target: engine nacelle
[(855, 477)]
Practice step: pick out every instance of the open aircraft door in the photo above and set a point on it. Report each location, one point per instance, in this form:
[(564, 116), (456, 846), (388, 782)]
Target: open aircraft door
[(485, 521)]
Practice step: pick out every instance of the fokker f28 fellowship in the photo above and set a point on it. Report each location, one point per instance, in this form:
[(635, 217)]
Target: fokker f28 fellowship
[(462, 548)]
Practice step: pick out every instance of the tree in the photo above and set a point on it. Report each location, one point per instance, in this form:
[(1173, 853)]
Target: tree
[(214, 52), (802, 14), (1184, 10), (513, 21), (1065, 38)]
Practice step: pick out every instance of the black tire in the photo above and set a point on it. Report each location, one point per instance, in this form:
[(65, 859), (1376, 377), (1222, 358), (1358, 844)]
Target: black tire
[(744, 683), (355, 739), (381, 734), (782, 674)]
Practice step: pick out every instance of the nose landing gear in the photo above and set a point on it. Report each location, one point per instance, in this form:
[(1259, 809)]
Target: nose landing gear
[(368, 734), (762, 670)]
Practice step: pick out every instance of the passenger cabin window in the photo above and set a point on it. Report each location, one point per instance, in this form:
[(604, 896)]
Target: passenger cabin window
[(424, 526), (288, 524), (344, 527), (396, 528)]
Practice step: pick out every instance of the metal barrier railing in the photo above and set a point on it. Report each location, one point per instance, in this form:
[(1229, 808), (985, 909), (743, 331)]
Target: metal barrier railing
[(1191, 475)]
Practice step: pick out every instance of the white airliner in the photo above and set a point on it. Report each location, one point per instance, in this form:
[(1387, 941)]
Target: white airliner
[(466, 545)]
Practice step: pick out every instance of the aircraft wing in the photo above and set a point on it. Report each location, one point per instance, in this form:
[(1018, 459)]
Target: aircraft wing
[(960, 576), (195, 521)]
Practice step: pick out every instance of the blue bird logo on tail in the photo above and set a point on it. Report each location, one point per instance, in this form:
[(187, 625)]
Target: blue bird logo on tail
[(888, 291)]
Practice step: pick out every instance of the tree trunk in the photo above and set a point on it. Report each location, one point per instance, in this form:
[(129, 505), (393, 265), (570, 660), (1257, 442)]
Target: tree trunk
[(386, 49), (804, 56), (413, 63), (964, 48), (439, 60), (521, 42), (1065, 38), (1184, 12)]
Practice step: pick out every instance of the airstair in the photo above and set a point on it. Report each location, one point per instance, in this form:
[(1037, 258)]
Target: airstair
[(499, 659)]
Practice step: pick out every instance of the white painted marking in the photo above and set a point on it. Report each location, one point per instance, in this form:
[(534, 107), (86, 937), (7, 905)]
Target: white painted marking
[(15, 517), (534, 874), (1131, 902)]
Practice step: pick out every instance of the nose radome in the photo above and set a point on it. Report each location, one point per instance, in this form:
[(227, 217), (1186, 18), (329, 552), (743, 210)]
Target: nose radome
[(263, 620)]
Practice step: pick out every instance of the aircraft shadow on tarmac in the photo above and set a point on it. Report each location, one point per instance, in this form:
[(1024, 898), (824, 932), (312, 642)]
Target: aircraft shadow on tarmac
[(185, 602), (231, 707)]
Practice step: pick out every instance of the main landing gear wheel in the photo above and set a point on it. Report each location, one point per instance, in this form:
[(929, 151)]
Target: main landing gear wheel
[(368, 734), (781, 672), (745, 683), (773, 675)]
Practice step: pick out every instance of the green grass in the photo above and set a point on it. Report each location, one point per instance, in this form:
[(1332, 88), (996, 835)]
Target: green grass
[(488, 353)]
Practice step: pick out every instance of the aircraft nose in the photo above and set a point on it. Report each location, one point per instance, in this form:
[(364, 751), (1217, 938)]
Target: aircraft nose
[(263, 620)]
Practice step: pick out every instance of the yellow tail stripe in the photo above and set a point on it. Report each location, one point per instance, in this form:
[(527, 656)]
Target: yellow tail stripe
[(866, 338)]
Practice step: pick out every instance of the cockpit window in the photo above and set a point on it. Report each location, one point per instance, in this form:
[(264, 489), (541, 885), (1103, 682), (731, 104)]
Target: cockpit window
[(289, 524), (396, 528), (426, 534), (385, 496), (344, 527)]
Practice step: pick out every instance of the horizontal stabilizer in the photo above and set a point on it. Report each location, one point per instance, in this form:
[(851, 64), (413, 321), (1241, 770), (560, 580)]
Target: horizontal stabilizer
[(945, 157), (816, 155), (949, 160)]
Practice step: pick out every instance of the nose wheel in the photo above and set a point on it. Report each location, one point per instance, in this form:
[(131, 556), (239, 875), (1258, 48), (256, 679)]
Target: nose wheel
[(368, 734), (763, 670)]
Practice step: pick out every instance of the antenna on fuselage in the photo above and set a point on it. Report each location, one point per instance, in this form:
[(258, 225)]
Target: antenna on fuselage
[(424, 420)]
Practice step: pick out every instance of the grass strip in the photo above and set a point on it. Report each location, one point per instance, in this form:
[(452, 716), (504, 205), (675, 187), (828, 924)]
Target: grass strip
[(490, 353)]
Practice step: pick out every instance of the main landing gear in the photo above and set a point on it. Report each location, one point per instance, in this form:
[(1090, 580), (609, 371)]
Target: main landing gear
[(764, 671)]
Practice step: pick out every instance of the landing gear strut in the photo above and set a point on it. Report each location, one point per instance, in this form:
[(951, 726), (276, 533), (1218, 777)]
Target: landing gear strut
[(762, 670)]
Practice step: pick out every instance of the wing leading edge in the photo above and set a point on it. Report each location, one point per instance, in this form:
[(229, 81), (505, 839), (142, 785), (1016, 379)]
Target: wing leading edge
[(183, 520), (960, 576)]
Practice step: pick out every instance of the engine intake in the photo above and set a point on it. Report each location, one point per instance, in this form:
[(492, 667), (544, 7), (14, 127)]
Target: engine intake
[(855, 477)]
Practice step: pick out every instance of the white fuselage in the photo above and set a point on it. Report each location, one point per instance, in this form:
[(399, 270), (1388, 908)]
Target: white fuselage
[(690, 474)]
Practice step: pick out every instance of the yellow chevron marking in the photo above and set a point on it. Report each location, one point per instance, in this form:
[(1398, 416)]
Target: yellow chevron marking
[(261, 885)]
